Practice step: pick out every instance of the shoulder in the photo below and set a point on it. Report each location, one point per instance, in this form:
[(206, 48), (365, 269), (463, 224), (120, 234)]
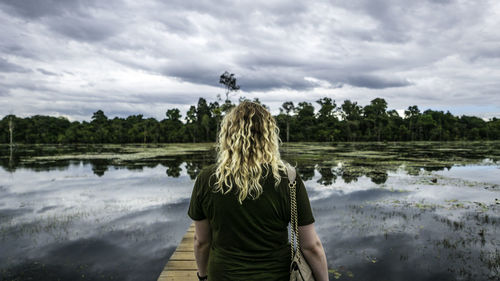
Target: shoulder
[(204, 180), (206, 172), (208, 169)]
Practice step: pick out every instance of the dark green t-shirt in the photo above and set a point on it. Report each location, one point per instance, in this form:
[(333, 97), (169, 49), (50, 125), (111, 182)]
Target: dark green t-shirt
[(249, 240)]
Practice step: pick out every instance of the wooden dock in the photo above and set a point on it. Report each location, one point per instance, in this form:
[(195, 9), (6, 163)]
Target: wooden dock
[(182, 265)]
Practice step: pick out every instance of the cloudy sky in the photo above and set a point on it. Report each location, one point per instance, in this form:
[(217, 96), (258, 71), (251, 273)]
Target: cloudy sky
[(73, 57)]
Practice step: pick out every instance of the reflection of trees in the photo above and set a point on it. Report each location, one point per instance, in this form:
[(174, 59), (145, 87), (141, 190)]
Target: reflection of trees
[(306, 171), (60, 165), (8, 159), (354, 165), (21, 156), (330, 172), (11, 157), (327, 176), (412, 171), (99, 166), (349, 175), (193, 169), (377, 176), (437, 168), (194, 163), (173, 167)]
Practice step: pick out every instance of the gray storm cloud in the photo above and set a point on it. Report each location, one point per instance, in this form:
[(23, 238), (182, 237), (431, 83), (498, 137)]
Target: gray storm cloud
[(144, 57)]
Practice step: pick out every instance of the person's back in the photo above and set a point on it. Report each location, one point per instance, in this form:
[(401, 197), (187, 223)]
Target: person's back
[(241, 204), (249, 240)]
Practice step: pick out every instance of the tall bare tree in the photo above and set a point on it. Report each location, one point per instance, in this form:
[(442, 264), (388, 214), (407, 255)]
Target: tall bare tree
[(288, 107), (229, 81)]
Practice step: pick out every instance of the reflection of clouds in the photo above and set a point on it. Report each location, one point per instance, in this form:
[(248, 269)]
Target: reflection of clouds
[(118, 189), (486, 173), (415, 188), (139, 216), (9, 214), (141, 212), (381, 241), (339, 187), (397, 258), (408, 228)]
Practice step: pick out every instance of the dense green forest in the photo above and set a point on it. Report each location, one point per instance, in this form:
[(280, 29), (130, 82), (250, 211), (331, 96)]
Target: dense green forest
[(297, 122)]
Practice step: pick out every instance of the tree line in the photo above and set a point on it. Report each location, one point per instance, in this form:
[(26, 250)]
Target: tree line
[(297, 122)]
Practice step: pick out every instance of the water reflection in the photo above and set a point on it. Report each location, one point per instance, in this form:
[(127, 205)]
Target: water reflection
[(329, 172), (73, 222), (380, 218), (411, 228)]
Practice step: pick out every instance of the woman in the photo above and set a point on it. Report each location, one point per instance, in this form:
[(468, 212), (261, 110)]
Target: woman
[(241, 205)]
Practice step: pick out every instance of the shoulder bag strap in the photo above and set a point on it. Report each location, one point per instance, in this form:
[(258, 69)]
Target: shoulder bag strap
[(294, 232)]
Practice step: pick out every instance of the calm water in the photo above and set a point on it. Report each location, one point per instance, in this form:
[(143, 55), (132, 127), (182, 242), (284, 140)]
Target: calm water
[(379, 217)]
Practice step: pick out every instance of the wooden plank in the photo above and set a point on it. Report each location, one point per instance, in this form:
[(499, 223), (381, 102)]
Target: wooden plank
[(179, 256), (188, 238), (182, 264), (185, 248), (182, 273), (179, 276)]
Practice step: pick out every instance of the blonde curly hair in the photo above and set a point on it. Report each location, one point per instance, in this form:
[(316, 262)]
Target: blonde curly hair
[(248, 139)]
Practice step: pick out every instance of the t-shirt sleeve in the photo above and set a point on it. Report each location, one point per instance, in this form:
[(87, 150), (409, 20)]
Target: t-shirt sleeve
[(195, 210), (305, 215)]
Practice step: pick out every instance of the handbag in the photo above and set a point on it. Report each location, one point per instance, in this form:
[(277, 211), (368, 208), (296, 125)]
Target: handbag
[(299, 268)]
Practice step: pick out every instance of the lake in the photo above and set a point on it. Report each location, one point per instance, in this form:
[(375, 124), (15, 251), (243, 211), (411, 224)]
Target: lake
[(384, 211)]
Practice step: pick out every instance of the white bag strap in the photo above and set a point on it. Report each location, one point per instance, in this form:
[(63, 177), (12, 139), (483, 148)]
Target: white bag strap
[(291, 172)]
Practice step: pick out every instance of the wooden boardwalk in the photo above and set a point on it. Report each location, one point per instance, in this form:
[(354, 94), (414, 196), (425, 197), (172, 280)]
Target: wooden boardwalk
[(182, 265)]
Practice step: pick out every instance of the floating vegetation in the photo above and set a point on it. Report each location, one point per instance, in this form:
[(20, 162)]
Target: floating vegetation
[(131, 153), (339, 272), (335, 273)]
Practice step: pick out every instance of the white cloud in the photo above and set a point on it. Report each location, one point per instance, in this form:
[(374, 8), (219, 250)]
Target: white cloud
[(72, 58)]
